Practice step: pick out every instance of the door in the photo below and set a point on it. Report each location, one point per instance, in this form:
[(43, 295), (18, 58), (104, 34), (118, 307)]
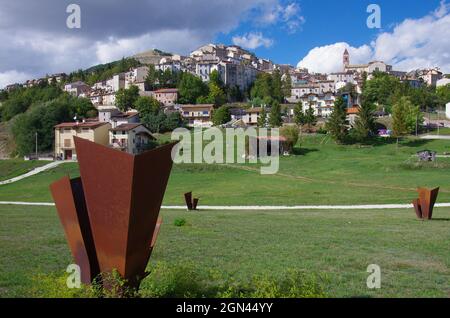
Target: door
[(68, 154)]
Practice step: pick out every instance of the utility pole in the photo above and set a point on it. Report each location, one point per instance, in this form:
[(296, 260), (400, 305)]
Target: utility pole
[(36, 135)]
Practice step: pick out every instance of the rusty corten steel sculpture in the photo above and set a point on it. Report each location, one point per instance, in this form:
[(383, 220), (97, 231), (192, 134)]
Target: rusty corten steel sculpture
[(190, 203), (70, 204), (116, 204), (425, 203)]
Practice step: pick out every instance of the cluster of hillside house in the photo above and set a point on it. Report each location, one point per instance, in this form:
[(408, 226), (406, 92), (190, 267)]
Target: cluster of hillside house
[(237, 68)]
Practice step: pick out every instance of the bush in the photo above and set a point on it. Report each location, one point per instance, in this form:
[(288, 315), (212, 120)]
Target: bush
[(291, 134), (54, 286), (179, 222), (186, 280)]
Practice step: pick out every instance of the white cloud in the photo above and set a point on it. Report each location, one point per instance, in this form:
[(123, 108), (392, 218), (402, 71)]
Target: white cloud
[(252, 41), (417, 43), (288, 16), (11, 77), (328, 58), (412, 44)]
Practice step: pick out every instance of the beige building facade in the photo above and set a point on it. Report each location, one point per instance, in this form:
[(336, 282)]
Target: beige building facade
[(93, 131)]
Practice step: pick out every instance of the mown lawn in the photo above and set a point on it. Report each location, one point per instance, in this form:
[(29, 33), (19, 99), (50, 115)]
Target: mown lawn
[(320, 173), (14, 167), (337, 245)]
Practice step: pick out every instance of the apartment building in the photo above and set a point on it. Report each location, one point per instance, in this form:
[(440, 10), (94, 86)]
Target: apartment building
[(198, 115), (77, 88), (133, 138), (93, 131)]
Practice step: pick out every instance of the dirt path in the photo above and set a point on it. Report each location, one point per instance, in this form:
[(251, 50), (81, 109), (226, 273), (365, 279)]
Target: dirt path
[(265, 207)]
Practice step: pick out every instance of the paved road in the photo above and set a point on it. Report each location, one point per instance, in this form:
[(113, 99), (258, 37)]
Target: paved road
[(267, 207), (33, 172), (442, 137)]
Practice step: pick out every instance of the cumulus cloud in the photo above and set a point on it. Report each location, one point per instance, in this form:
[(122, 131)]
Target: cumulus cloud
[(36, 40), (287, 16), (328, 58), (417, 43), (252, 41), (412, 44)]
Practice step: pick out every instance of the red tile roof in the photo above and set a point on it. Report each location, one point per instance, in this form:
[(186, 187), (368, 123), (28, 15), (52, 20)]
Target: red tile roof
[(125, 127), (352, 110), (92, 125)]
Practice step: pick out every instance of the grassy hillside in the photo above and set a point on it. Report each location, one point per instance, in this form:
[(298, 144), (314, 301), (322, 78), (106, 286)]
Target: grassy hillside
[(225, 249), (15, 167)]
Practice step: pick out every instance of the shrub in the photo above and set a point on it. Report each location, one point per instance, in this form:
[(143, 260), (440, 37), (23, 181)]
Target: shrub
[(55, 286), (291, 134), (186, 281), (189, 281), (179, 222)]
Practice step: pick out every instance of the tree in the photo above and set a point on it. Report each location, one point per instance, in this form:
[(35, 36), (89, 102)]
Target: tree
[(381, 90), (262, 87), (216, 94), (337, 123), (155, 122), (173, 121), (262, 119), (83, 107), (214, 78), (190, 88), (41, 119), (291, 134), (299, 116), (310, 118), (234, 94), (275, 119), (126, 98), (277, 87), (221, 116), (152, 79), (364, 126), (147, 105), (287, 85), (400, 117), (443, 93)]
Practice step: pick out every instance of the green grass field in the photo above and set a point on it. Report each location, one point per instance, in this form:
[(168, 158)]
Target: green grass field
[(335, 245), (15, 167), (321, 173)]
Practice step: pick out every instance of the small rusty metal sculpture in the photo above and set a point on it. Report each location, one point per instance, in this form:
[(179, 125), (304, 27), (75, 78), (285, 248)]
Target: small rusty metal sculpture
[(190, 203), (425, 203), (110, 214)]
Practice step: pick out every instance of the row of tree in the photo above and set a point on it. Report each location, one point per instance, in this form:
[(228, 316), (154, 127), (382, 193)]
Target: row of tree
[(102, 72), (270, 88), (405, 104), (41, 118)]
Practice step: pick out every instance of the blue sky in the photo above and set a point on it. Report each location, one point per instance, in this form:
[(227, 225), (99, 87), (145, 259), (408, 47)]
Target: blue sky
[(331, 21), (313, 34)]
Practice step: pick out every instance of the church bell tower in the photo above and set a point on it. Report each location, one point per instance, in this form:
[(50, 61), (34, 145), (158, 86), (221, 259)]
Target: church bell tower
[(346, 59)]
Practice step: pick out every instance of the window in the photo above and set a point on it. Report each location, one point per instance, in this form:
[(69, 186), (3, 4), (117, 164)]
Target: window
[(67, 143)]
